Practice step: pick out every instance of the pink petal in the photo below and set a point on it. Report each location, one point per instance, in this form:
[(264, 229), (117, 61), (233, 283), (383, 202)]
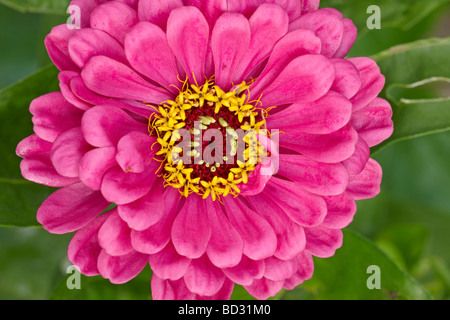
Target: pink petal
[(84, 249), (104, 126), (302, 207), (258, 178), (223, 294), (88, 43), (188, 36), (95, 164), (67, 152), (316, 177), (52, 115), (57, 44), (259, 237), (157, 11), (121, 269), (115, 18), (348, 38), (305, 269), (305, 79), (322, 242), (134, 151), (326, 115), (114, 235), (37, 166), (268, 24), (309, 5), (191, 229), (279, 270), (124, 187), (341, 209), (170, 290), (264, 288), (113, 79), (372, 82), (291, 46), (168, 264), (86, 7), (225, 245), (373, 122), (146, 211), (347, 81), (292, 7), (70, 208), (157, 236), (203, 278), (366, 185), (329, 148), (356, 163), (149, 53), (291, 237), (246, 271), (65, 78), (325, 25), (212, 9), (229, 42)]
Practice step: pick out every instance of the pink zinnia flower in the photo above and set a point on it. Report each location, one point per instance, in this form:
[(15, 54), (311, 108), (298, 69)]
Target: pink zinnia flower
[(137, 73)]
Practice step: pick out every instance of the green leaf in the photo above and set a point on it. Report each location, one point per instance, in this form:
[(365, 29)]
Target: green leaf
[(38, 6), (407, 68), (345, 275), (20, 199)]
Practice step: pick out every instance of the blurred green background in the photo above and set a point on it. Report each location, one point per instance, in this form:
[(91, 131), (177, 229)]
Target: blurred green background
[(405, 230)]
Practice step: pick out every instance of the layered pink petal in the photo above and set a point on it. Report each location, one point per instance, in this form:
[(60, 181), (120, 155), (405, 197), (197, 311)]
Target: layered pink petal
[(115, 18), (188, 37), (149, 53), (67, 152), (104, 126), (309, 5), (121, 269), (212, 9), (372, 81), (170, 290), (65, 78), (52, 115), (305, 269), (366, 185), (113, 79), (157, 236), (191, 229), (348, 38), (157, 11), (84, 248), (95, 164), (70, 208), (168, 264), (316, 177), (123, 187), (279, 270), (290, 236), (305, 79), (85, 7), (373, 122), (329, 148), (229, 42), (114, 235), (225, 245), (246, 271), (325, 25), (341, 209), (291, 46), (325, 115), (88, 43), (322, 242), (57, 44), (264, 288), (134, 151), (259, 238), (223, 294), (304, 208), (268, 24), (347, 81), (356, 163), (146, 211), (37, 165), (203, 278)]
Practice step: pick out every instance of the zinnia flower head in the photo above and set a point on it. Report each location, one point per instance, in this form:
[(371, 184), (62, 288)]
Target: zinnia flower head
[(232, 138)]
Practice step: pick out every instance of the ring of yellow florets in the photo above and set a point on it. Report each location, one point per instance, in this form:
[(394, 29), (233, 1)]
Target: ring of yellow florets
[(183, 120)]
